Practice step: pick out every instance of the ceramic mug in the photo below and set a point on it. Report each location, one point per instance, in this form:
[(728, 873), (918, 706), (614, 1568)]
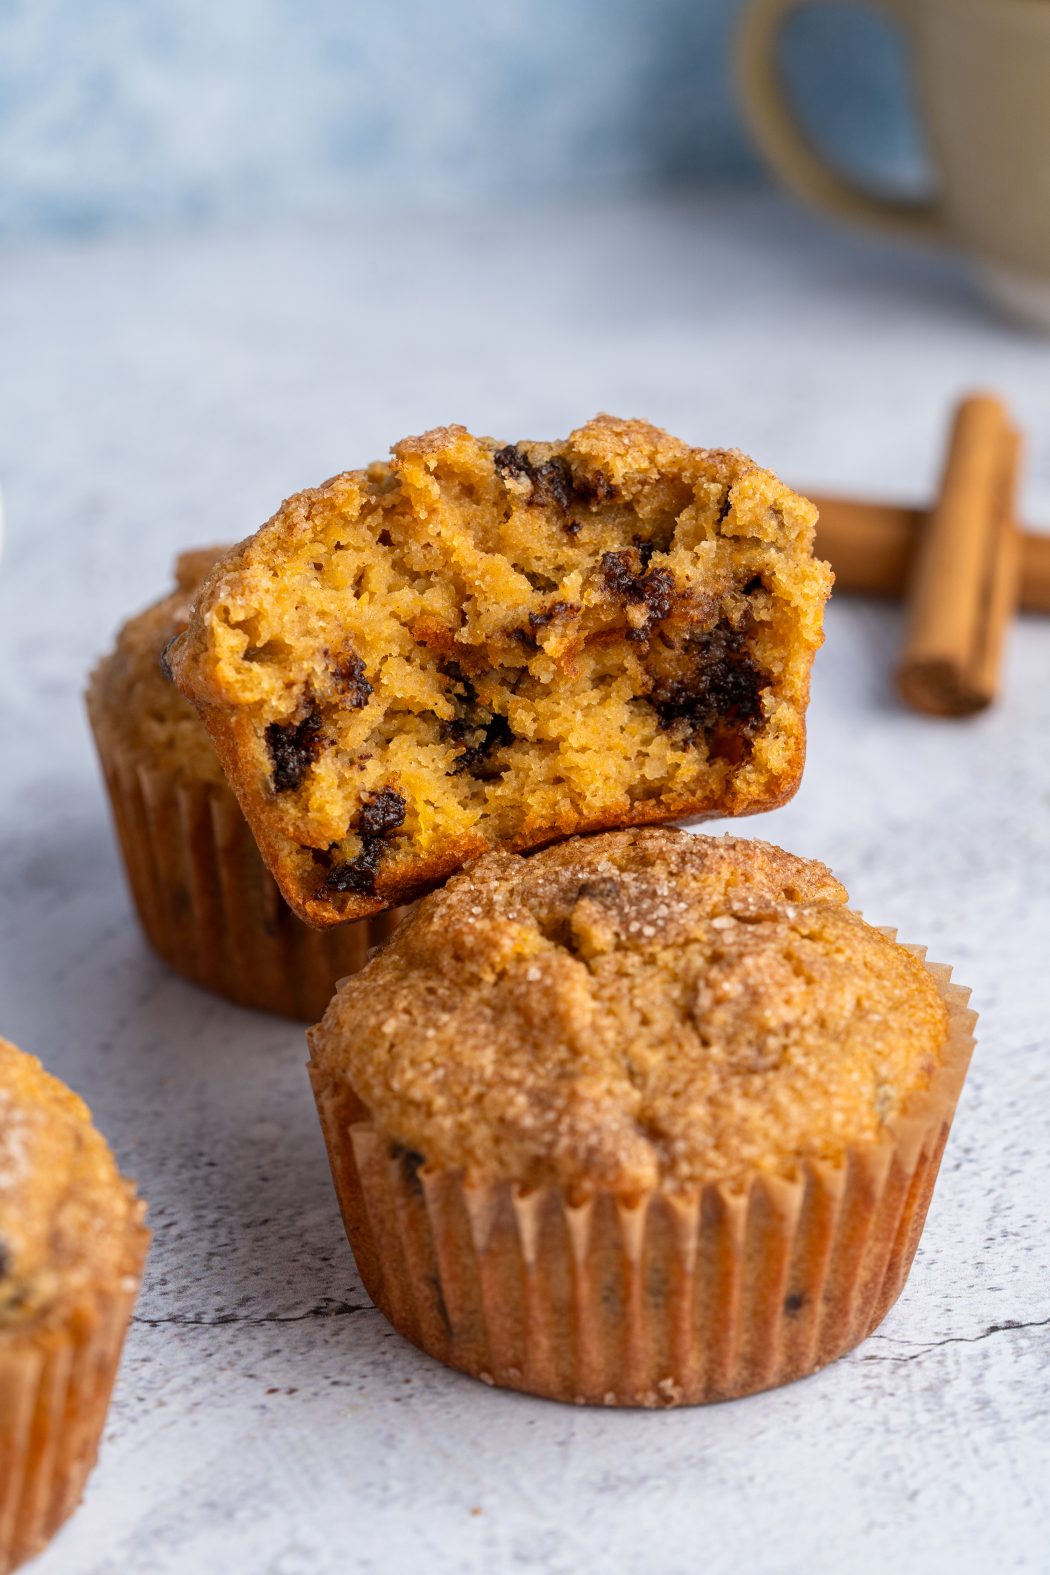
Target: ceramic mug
[(982, 78)]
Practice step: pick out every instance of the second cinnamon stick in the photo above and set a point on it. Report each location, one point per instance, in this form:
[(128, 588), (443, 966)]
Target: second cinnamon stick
[(963, 587)]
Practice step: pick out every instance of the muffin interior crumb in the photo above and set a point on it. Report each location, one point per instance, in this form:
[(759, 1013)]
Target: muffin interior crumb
[(517, 640)]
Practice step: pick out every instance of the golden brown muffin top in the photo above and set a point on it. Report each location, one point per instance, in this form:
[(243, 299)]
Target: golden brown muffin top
[(634, 1008), (131, 693), (65, 1211)]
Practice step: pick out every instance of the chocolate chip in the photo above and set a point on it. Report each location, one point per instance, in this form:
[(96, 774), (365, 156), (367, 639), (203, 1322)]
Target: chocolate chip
[(512, 464), (383, 812), (795, 1302), (348, 675), (540, 620), (551, 482), (293, 747), (658, 592), (476, 726), (724, 686), (621, 577), (655, 590), (494, 734), (380, 814), (358, 874)]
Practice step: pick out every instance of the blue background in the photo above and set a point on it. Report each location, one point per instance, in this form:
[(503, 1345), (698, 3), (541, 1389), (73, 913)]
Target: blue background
[(118, 113)]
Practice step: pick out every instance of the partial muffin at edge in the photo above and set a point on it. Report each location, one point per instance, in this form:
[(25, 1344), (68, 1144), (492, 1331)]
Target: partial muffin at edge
[(72, 1245)]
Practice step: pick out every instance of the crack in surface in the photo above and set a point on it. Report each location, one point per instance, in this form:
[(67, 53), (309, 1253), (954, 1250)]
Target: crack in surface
[(923, 1347), (325, 1309)]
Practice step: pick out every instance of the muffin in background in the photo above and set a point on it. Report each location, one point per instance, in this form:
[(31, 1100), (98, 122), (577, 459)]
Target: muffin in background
[(204, 897), (72, 1246), (642, 1119)]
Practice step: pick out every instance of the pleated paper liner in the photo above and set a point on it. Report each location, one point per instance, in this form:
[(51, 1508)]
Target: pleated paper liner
[(208, 904), (55, 1384), (669, 1298)]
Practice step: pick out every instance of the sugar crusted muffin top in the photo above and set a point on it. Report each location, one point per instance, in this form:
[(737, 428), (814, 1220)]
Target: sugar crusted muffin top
[(65, 1210), (131, 693), (634, 1008)]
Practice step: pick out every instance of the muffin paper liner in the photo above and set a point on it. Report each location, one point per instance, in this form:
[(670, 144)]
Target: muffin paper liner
[(670, 1297), (208, 904), (55, 1384)]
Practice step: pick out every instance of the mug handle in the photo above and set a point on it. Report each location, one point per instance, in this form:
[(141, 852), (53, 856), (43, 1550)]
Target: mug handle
[(786, 147)]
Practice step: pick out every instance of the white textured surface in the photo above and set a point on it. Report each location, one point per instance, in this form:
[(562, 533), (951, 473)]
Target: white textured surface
[(267, 1420)]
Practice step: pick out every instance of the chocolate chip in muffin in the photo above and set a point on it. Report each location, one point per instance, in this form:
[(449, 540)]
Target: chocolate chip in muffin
[(293, 747), (383, 812), (654, 590), (551, 481), (512, 464), (556, 610), (348, 675), (359, 873), (380, 814), (480, 730), (724, 685)]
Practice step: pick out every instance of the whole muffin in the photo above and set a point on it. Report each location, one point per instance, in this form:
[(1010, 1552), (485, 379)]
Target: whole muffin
[(204, 897), (642, 1119), (487, 645), (72, 1245)]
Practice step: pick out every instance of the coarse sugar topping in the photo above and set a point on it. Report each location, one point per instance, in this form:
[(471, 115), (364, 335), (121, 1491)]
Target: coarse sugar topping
[(635, 1008), (64, 1208)]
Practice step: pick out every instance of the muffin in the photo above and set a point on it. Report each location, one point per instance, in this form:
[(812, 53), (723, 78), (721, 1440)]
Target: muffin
[(72, 1245), (485, 645), (642, 1119), (204, 897)]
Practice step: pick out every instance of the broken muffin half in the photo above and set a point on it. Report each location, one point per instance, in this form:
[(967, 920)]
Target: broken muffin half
[(485, 645)]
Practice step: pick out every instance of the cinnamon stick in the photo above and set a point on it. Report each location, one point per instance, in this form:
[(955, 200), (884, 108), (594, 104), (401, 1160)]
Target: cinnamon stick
[(871, 547), (963, 585)]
